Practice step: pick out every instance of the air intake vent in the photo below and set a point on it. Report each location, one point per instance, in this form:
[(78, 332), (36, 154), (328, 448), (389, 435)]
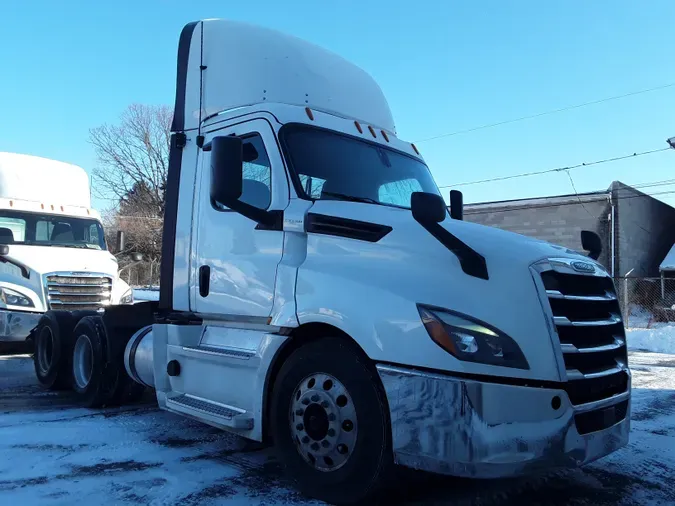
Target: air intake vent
[(344, 227)]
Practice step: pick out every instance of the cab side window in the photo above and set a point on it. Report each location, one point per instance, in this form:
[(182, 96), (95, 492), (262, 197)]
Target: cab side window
[(257, 180)]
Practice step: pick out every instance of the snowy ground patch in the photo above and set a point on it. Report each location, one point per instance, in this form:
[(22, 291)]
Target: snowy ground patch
[(657, 340), (141, 294)]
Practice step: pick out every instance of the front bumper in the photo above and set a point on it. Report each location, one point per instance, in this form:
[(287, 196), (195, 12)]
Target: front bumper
[(487, 430), (17, 325)]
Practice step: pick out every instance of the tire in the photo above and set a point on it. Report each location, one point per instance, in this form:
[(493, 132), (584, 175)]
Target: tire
[(52, 349), (94, 380), (369, 462)]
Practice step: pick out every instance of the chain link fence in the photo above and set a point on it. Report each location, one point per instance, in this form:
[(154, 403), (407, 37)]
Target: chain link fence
[(141, 274), (646, 302)]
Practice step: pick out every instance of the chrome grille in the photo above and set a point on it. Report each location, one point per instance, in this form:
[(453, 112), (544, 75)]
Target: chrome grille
[(588, 323), (73, 291)]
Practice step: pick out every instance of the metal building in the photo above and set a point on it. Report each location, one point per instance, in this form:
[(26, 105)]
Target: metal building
[(636, 230)]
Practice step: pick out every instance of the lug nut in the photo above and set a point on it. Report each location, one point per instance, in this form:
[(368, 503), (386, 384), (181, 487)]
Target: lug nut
[(305, 401), (331, 417), (315, 446), (325, 443), (300, 427), (324, 404), (315, 398), (342, 449), (331, 432), (299, 412), (305, 439)]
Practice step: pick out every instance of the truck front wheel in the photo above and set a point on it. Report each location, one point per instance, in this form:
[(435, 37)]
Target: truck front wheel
[(330, 423)]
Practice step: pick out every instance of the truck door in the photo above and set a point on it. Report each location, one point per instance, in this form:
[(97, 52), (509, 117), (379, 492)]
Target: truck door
[(234, 262)]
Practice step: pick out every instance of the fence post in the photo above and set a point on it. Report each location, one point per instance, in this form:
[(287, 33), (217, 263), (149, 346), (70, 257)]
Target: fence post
[(626, 312)]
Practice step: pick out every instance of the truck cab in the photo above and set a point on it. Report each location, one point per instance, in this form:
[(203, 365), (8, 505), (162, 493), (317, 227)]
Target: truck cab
[(53, 252), (317, 294)]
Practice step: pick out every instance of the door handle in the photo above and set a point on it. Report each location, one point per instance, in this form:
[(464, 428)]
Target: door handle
[(204, 280)]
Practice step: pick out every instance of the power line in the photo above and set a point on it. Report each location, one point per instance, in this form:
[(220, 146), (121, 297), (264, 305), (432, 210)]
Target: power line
[(559, 169), (538, 115)]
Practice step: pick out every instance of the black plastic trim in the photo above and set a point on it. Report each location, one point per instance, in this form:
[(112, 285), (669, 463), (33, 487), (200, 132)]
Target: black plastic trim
[(25, 272), (345, 227), (472, 262), (178, 124), (276, 221), (170, 221)]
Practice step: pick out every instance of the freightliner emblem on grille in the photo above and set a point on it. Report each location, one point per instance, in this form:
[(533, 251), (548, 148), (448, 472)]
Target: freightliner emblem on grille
[(583, 267)]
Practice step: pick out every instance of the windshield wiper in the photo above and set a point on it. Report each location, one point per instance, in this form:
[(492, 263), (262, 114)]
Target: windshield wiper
[(351, 198)]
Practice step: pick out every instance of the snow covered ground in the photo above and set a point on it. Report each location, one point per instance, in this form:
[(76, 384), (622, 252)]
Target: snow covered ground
[(659, 340), (146, 294), (53, 453)]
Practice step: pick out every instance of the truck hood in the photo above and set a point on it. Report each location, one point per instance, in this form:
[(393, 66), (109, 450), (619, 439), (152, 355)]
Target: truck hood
[(45, 259)]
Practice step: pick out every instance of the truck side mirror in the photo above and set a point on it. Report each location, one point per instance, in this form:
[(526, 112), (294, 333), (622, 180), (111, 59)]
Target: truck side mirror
[(228, 154), (4, 250), (456, 205), (137, 257), (120, 243), (428, 207), (591, 242), (227, 161)]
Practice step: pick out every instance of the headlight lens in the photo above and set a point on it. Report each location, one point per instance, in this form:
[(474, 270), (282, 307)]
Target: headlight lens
[(128, 297), (14, 298), (471, 340)]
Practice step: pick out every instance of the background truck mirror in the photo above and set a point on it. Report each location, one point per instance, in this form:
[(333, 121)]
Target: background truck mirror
[(456, 205), (4, 250), (428, 207), (121, 242), (591, 242), (226, 169), (137, 257)]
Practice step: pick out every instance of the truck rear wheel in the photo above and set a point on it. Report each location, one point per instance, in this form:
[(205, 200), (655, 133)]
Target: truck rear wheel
[(330, 423), (94, 380), (52, 349)]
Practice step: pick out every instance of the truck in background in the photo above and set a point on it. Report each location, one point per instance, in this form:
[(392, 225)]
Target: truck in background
[(315, 293), (53, 252)]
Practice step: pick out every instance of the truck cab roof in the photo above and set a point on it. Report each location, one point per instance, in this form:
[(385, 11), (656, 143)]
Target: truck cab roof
[(236, 65)]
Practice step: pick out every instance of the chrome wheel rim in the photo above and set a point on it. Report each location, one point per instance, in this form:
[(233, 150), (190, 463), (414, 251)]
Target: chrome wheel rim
[(323, 422), (45, 349), (83, 361)]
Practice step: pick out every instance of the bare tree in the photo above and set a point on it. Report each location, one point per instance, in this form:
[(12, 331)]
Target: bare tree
[(133, 159), (134, 153)]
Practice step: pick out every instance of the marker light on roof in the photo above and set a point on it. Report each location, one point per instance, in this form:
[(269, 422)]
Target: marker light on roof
[(372, 131), (415, 148), (309, 112), (358, 127), (384, 134)]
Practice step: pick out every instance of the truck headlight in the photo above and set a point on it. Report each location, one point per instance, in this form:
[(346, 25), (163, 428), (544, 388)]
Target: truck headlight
[(128, 297), (471, 340), (14, 298)]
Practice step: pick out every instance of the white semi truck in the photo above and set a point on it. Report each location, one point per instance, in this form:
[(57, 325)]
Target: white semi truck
[(316, 293), (53, 252)]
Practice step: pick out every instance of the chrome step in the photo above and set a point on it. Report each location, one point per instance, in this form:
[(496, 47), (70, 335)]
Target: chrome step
[(575, 374), (225, 352), (228, 416)]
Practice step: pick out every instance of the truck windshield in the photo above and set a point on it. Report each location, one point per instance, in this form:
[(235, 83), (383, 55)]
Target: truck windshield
[(18, 227), (329, 165)]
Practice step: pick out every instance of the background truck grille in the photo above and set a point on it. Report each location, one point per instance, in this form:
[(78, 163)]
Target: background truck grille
[(588, 321), (66, 291)]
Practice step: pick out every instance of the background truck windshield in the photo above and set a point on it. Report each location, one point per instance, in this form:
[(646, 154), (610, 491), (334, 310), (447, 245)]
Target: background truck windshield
[(18, 227), (328, 165)]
